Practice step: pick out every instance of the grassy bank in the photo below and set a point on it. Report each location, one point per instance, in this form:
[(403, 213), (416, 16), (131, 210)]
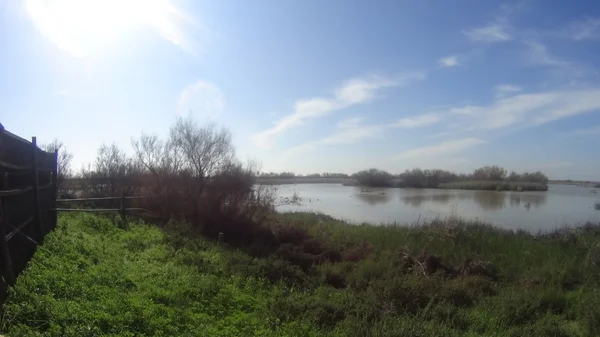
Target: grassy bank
[(326, 278), (495, 186)]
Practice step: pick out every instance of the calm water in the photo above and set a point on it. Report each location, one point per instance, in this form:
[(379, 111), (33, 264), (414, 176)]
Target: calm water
[(560, 205)]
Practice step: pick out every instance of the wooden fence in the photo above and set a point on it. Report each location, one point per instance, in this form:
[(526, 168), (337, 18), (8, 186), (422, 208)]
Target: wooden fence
[(27, 202)]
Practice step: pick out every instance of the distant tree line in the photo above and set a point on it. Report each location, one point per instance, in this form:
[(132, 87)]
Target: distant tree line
[(433, 178), (294, 175), (374, 177)]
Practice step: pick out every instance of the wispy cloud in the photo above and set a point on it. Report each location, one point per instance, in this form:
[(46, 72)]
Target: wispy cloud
[(591, 131), (449, 61), (503, 90), (443, 148), (539, 54), (349, 123), (586, 29), (417, 121), (491, 33), (353, 134), (203, 98), (526, 110), (353, 92), (347, 131), (82, 28), (499, 29)]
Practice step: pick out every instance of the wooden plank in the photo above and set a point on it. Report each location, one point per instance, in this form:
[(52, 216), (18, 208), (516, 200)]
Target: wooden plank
[(9, 193), (100, 210), (47, 186), (103, 198), (87, 209), (19, 228), (10, 166), (36, 190), (8, 270), (14, 150)]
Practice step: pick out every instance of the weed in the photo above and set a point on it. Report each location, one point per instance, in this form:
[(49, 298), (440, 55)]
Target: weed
[(321, 277)]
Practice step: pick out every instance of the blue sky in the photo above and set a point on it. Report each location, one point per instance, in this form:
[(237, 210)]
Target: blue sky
[(314, 86)]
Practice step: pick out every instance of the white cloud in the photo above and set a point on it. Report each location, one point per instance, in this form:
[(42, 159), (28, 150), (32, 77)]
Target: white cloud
[(353, 92), (539, 54), (506, 89), (449, 61), (201, 98), (84, 28), (348, 131), (349, 123), (63, 92), (353, 134), (361, 90), (441, 149), (491, 33), (591, 131), (417, 121), (586, 29), (528, 109)]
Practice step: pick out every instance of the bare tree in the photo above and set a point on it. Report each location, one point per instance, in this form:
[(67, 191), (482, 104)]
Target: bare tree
[(205, 149), (494, 173), (113, 173), (63, 161), (194, 176)]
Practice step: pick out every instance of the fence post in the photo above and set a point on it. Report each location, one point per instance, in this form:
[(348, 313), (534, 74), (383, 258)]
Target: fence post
[(7, 271), (123, 213), (36, 190), (55, 189)]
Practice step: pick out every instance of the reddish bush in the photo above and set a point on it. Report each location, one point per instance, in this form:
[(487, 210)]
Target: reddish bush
[(292, 235), (357, 253)]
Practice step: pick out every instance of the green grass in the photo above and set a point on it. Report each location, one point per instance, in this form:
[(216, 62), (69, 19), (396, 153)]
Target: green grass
[(495, 185), (91, 278)]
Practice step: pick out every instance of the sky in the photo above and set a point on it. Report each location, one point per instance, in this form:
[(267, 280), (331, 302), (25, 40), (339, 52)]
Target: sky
[(314, 86)]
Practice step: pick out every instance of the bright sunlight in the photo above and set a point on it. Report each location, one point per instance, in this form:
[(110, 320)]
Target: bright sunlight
[(85, 27)]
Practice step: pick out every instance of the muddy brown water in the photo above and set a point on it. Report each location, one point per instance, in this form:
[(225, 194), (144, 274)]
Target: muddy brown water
[(561, 205)]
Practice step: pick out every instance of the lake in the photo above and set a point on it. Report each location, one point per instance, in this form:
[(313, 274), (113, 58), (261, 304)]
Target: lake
[(561, 205)]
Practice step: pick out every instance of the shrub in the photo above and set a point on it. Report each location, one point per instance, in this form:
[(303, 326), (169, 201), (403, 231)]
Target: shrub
[(335, 279), (192, 176), (291, 234), (357, 252), (373, 177)]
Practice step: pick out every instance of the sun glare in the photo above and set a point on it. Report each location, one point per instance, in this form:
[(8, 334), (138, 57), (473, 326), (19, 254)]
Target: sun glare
[(82, 27)]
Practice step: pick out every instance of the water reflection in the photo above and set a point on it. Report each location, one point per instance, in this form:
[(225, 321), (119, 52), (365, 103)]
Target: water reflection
[(373, 197), (529, 210), (487, 200), (490, 201), (528, 200), (418, 200)]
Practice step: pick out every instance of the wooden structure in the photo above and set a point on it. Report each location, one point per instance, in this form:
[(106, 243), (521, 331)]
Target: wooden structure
[(27, 202)]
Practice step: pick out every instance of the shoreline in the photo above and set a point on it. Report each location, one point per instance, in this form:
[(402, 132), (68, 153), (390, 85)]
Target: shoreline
[(459, 185)]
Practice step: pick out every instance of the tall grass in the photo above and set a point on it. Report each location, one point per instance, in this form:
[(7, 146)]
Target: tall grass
[(495, 186), (326, 278)]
